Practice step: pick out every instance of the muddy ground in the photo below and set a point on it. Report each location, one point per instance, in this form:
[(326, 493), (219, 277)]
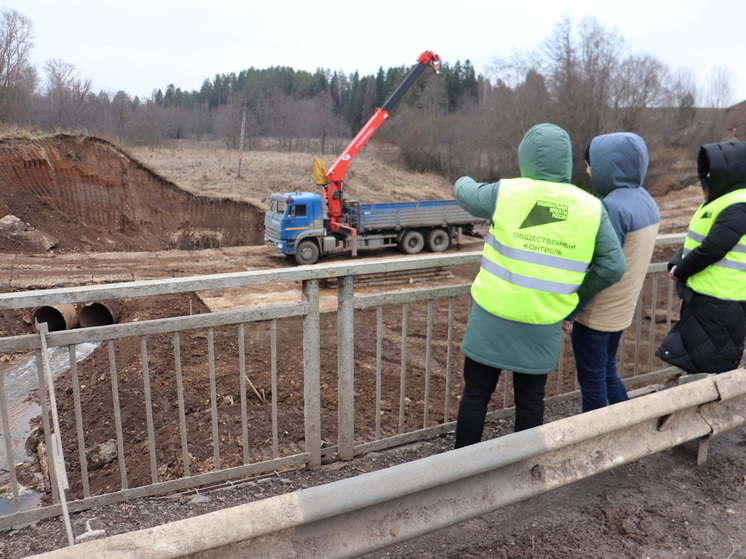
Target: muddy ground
[(84, 211)]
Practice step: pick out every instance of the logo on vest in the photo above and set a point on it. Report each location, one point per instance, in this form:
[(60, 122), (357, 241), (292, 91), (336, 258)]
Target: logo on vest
[(544, 212)]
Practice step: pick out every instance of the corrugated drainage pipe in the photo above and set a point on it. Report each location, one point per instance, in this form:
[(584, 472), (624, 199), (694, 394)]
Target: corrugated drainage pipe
[(57, 317), (97, 314)]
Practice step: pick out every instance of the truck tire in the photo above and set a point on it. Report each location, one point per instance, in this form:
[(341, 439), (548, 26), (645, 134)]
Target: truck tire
[(307, 253), (438, 240), (412, 242)]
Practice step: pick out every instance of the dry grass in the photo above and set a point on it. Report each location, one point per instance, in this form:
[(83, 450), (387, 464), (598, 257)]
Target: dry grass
[(209, 169)]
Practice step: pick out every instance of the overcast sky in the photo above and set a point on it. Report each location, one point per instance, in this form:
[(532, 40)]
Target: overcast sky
[(138, 46)]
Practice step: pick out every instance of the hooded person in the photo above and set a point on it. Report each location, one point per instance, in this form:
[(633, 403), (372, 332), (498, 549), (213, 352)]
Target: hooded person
[(710, 269), (549, 245), (617, 164)]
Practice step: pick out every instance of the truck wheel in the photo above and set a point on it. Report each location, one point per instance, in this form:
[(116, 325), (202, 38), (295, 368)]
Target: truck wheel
[(438, 240), (307, 253), (412, 242)]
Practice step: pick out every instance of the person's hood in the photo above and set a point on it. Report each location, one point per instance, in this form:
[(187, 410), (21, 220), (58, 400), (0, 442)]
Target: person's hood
[(721, 167), (618, 160), (545, 153)]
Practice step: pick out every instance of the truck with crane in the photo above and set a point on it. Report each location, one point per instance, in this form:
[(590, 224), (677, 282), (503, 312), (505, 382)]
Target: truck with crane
[(307, 227)]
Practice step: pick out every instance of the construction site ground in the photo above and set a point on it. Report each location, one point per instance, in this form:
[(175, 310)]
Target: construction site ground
[(81, 211)]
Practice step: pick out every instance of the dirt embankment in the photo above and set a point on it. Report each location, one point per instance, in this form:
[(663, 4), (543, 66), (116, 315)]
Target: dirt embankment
[(72, 193)]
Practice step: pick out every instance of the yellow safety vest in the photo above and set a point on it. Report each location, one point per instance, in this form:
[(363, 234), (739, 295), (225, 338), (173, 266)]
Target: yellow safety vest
[(725, 279), (538, 251)]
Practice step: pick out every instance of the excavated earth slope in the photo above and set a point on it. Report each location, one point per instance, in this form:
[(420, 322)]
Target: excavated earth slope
[(85, 194)]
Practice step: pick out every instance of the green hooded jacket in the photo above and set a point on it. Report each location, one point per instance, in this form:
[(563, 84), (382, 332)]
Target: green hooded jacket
[(545, 153)]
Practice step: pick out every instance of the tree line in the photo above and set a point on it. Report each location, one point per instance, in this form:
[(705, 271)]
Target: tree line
[(584, 78)]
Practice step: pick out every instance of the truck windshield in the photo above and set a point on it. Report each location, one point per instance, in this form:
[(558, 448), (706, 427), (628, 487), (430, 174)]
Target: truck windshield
[(277, 207)]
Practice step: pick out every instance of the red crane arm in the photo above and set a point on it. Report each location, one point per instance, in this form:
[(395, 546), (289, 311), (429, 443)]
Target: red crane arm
[(336, 174)]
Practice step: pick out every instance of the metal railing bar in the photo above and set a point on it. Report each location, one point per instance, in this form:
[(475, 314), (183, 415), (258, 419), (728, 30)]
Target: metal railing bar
[(403, 366), (345, 368), (670, 239), (213, 397), (560, 368), (404, 438), (506, 377), (669, 305), (273, 371), (158, 489), (653, 305), (146, 288), (117, 413), (638, 332), (241, 334), (150, 327), (79, 422), (428, 364), (150, 425), (449, 360), (410, 295), (656, 267), (312, 376), (45, 408), (180, 399), (57, 472), (379, 369)]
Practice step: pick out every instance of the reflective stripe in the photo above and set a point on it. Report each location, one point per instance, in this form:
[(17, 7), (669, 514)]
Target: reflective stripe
[(695, 236), (531, 257), (528, 282), (737, 248), (724, 263)]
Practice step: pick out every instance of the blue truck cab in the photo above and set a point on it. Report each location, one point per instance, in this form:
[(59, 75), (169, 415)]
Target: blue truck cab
[(292, 217)]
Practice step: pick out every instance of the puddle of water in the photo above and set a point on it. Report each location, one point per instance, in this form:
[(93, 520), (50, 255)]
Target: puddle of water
[(26, 501)]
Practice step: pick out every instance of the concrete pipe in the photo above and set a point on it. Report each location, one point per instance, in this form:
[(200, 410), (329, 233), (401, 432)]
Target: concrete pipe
[(98, 314), (57, 317)]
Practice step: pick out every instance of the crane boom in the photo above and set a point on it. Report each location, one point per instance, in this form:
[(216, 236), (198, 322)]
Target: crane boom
[(334, 185)]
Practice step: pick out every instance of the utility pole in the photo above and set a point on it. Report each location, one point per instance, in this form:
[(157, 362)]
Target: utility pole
[(240, 141)]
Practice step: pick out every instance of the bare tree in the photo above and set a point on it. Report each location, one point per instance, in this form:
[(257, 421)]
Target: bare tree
[(718, 97), (17, 75), (639, 86), (582, 70), (718, 91), (66, 95), (147, 124), (683, 94), (227, 122)]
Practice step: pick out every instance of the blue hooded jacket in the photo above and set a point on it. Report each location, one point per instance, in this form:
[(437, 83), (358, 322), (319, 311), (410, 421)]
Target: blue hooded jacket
[(618, 163)]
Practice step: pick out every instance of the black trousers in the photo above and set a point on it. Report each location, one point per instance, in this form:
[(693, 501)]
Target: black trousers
[(480, 382)]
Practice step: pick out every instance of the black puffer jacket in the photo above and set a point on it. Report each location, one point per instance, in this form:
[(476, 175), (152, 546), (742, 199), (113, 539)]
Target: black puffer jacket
[(709, 336)]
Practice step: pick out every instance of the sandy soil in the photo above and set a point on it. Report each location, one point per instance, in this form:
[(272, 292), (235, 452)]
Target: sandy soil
[(88, 212)]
